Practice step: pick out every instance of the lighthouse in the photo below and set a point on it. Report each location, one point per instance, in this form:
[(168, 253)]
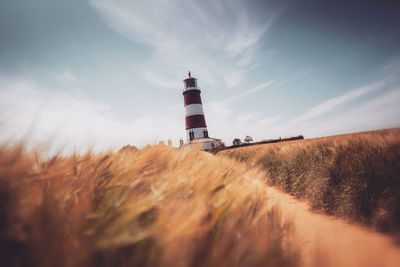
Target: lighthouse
[(195, 122)]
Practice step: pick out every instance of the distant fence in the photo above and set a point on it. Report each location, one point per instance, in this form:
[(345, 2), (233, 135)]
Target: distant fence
[(269, 141)]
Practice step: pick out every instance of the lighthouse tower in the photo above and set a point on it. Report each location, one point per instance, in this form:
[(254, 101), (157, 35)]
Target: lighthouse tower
[(194, 116)]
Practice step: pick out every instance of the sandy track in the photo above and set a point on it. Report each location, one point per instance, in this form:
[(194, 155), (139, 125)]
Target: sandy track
[(333, 242)]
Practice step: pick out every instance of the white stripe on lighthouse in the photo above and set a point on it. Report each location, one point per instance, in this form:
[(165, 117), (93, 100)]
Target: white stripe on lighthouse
[(191, 88), (194, 109)]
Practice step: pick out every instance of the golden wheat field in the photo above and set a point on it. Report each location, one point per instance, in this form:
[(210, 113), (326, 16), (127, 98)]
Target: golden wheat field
[(161, 206), (158, 206)]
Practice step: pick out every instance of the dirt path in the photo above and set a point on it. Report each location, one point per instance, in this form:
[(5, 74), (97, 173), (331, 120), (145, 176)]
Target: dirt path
[(332, 242)]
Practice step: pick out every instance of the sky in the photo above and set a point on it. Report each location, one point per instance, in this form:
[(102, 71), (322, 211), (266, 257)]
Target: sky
[(100, 74)]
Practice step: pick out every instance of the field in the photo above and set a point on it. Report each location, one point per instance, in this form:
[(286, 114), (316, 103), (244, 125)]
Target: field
[(354, 176), (158, 206), (161, 206)]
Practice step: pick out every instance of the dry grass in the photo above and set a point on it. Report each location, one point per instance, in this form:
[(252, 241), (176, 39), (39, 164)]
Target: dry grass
[(153, 207), (355, 176)]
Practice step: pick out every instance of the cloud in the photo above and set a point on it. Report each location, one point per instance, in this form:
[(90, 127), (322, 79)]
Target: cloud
[(233, 78), (255, 124), (160, 81), (221, 111), (226, 124), (246, 37), (257, 88), (380, 112), (331, 104), (250, 91), (62, 121), (217, 40)]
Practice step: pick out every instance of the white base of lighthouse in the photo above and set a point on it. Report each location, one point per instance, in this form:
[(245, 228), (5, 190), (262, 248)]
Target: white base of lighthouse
[(207, 144), (198, 133)]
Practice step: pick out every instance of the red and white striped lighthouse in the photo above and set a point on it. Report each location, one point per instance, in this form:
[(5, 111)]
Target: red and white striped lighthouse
[(194, 118)]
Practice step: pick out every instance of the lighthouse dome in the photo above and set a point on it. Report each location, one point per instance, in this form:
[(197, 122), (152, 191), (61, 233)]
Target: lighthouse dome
[(190, 82)]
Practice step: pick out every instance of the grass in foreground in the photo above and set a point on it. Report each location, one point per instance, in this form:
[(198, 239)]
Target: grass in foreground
[(355, 176), (153, 207)]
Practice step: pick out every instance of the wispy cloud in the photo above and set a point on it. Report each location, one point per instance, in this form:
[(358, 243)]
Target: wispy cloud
[(250, 91), (215, 39), (221, 109), (381, 111), (160, 81), (331, 104)]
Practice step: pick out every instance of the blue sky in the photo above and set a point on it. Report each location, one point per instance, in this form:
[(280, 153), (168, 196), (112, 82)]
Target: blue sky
[(104, 73)]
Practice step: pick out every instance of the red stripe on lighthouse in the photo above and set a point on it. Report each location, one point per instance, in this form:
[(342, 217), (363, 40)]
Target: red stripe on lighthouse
[(195, 121), (192, 97)]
